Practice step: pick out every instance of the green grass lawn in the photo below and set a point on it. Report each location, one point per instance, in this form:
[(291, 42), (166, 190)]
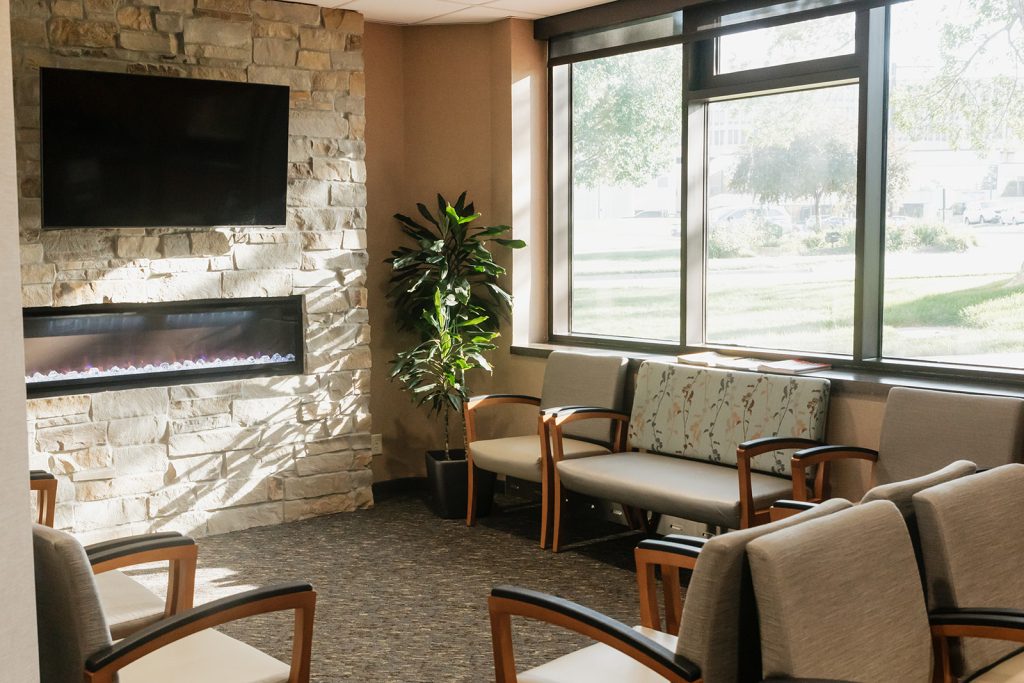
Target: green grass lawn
[(804, 303)]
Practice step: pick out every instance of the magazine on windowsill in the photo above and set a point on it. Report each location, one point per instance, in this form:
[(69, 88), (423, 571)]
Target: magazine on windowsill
[(792, 366), (713, 359)]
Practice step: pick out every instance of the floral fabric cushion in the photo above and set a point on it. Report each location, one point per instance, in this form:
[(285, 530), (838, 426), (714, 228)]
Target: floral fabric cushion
[(705, 413)]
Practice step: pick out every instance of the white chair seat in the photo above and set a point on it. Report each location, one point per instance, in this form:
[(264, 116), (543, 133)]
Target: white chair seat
[(206, 657), (127, 604), (519, 456), (1009, 670), (599, 663)]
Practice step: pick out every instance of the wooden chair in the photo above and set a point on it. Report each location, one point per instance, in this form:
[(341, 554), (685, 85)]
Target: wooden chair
[(569, 379), (924, 430), (44, 485), (75, 642), (128, 605), (716, 641), (840, 599)]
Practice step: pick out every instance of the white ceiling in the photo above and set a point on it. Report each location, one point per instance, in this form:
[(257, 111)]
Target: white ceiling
[(456, 11)]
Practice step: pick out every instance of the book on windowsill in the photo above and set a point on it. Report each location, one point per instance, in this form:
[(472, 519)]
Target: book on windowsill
[(713, 359), (792, 366)]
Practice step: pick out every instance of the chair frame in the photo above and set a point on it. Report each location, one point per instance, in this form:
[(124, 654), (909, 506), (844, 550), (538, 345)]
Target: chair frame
[(749, 516), (102, 666), (508, 601), (45, 486), (672, 554), (180, 552)]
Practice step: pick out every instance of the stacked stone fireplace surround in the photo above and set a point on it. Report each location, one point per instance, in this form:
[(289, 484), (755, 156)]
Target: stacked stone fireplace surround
[(207, 458)]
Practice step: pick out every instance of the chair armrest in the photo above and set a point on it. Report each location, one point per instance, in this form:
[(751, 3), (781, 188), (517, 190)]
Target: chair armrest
[(577, 413), (752, 447), (139, 550), (101, 666), (179, 552), (40, 475), (487, 400), (675, 557), (695, 541), (979, 622), (128, 540), (819, 454), (823, 455), (508, 601), (781, 509)]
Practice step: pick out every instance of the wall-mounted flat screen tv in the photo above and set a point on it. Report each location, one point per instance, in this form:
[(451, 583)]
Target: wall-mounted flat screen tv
[(122, 150)]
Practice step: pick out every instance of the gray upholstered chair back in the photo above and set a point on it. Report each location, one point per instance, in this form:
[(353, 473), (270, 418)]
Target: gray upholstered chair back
[(925, 430), (972, 542), (585, 379), (901, 494), (839, 598), (70, 620), (718, 629)]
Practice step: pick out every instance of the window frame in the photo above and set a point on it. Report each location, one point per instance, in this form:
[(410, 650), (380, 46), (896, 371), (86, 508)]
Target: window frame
[(868, 67)]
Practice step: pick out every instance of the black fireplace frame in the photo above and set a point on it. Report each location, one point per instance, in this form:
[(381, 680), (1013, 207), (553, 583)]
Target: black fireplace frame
[(175, 377)]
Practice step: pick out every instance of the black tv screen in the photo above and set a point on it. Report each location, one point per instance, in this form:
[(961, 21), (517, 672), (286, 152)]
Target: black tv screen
[(122, 150)]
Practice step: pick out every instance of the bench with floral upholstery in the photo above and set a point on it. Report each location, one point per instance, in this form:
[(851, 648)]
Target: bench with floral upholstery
[(702, 443)]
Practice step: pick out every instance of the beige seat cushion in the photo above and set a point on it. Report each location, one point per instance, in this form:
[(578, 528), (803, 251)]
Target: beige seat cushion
[(519, 456), (206, 657), (127, 604), (599, 663), (1009, 670), (689, 489)]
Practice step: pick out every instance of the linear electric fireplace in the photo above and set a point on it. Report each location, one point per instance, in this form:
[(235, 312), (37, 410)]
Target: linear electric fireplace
[(79, 349)]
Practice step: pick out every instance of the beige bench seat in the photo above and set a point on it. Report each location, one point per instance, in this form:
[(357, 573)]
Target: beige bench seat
[(599, 663), (519, 456), (673, 486)]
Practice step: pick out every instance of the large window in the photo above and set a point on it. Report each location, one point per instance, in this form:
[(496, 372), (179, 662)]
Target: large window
[(626, 156), (954, 236), (829, 178)]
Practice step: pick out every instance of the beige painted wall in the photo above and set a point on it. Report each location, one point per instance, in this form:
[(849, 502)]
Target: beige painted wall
[(17, 590), (440, 119), (465, 107)]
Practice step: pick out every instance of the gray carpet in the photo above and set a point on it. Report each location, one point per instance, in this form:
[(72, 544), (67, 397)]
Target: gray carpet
[(402, 595)]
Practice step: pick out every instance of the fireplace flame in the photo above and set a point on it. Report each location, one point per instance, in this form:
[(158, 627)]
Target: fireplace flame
[(148, 368)]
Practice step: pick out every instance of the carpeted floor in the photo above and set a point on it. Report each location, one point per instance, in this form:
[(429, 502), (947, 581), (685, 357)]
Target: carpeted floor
[(402, 595)]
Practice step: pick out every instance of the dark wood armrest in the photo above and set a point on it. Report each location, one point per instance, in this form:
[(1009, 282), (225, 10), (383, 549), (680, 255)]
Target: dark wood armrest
[(180, 553), (752, 447), (781, 509), (128, 540), (40, 475), (488, 400), (102, 666), (139, 550), (508, 601), (979, 622), (695, 541), (573, 413), (819, 454), (823, 455)]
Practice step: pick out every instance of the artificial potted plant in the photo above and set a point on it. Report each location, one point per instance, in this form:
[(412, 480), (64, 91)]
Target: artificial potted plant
[(445, 289)]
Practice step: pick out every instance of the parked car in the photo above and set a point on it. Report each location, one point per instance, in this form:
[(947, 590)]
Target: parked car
[(1012, 214), (765, 214), (981, 212)]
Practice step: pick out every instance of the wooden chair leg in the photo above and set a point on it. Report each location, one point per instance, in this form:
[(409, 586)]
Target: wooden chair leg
[(673, 598), (501, 641), (646, 583), (470, 491), (556, 499), (545, 503)]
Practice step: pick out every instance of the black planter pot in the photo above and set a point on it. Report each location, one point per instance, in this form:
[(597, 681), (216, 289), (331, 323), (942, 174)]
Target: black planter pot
[(447, 484)]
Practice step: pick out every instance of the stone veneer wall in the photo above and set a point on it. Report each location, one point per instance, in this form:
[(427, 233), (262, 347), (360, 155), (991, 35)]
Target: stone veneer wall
[(213, 457)]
